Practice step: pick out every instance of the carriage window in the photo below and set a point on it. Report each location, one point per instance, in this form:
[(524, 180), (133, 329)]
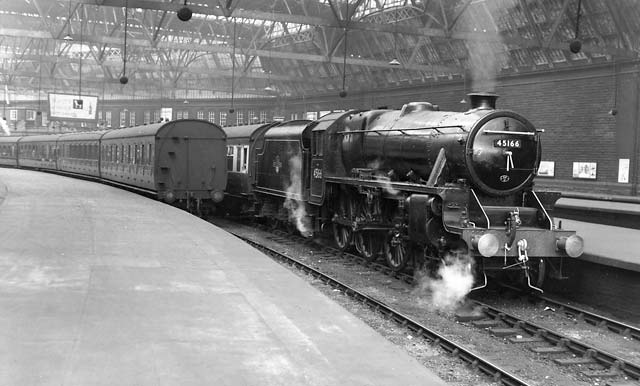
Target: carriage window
[(143, 155), (151, 154), (245, 158), (318, 143), (237, 158)]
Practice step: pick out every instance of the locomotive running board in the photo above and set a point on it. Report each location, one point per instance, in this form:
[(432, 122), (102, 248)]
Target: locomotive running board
[(376, 183)]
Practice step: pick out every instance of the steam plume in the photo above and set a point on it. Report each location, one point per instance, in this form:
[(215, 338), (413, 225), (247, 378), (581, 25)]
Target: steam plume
[(5, 127), (296, 209), (452, 282), (384, 180), (483, 66)]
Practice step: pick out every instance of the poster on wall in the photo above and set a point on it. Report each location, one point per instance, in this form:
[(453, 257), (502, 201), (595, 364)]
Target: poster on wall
[(546, 168), (623, 170), (67, 106), (585, 170)]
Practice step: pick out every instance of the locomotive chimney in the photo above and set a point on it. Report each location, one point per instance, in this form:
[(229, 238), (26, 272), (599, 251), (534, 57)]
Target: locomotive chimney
[(482, 100)]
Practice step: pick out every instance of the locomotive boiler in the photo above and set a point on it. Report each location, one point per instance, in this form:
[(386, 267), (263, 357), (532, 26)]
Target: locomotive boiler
[(498, 152)]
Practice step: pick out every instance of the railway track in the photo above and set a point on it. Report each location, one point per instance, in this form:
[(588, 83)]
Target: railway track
[(498, 322), (493, 371), (560, 306)]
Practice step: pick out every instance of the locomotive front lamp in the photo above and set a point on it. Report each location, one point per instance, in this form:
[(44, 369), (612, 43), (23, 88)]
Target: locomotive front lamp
[(572, 245), (486, 244)]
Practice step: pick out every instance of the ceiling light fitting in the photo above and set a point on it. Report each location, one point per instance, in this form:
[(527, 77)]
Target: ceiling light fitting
[(233, 66), (185, 12), (395, 62), (576, 45), (343, 92), (123, 78)]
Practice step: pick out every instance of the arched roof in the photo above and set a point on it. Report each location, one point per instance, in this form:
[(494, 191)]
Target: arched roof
[(264, 48)]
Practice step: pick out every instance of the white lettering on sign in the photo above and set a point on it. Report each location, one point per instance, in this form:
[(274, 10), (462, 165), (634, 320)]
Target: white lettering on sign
[(507, 143), (317, 173)]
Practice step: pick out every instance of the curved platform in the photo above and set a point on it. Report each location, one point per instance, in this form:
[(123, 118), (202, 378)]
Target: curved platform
[(101, 286), (609, 242)]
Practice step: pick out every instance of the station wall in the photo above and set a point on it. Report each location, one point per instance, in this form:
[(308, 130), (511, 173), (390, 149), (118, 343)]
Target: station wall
[(573, 106)]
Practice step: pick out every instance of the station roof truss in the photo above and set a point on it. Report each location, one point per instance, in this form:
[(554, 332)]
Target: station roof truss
[(297, 48)]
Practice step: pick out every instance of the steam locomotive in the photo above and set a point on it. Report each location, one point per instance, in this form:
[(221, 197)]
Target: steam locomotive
[(415, 185)]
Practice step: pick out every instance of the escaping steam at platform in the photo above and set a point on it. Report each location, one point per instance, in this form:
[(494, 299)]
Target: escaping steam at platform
[(452, 282), (296, 208), (384, 180)]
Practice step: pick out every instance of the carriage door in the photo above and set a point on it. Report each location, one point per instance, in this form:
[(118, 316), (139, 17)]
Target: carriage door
[(317, 167), (201, 177)]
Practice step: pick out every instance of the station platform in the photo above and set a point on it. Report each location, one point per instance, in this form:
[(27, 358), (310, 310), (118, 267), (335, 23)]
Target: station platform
[(613, 246), (605, 243), (99, 286)]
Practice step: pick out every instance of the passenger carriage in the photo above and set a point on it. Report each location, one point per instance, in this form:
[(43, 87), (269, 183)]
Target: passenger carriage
[(38, 152), (9, 151), (79, 153), (176, 160)]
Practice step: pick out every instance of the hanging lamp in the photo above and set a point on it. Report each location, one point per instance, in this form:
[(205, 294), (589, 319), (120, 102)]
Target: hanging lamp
[(233, 66), (395, 62), (464, 87), (576, 45), (614, 109), (343, 92), (185, 13), (123, 78), (81, 54), (67, 36), (269, 88)]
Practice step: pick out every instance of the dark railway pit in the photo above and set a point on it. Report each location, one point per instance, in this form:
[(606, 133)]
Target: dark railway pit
[(611, 290)]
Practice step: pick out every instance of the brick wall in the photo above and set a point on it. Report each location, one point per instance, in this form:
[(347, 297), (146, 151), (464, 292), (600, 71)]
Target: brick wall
[(573, 109), (572, 106)]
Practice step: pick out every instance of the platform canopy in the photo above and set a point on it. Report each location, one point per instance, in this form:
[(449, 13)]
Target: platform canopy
[(266, 48)]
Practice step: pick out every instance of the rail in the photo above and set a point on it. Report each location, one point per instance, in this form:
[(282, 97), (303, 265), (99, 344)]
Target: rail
[(477, 362)]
